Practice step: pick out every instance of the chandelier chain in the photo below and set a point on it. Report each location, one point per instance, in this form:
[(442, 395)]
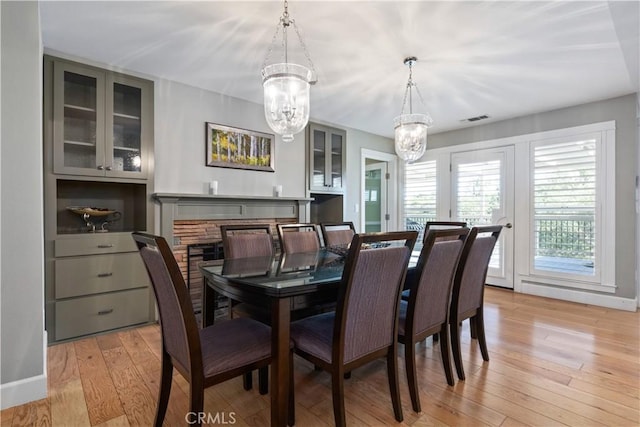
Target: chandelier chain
[(286, 21), (273, 43), (408, 91), (306, 52)]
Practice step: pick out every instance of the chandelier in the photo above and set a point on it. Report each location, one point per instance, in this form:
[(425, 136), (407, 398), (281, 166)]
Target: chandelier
[(411, 129), (286, 86)]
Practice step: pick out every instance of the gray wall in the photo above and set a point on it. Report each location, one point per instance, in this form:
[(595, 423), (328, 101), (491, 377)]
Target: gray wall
[(180, 115), (22, 286), (356, 140), (623, 111)]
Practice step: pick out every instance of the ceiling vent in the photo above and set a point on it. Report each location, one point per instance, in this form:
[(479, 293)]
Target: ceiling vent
[(475, 119)]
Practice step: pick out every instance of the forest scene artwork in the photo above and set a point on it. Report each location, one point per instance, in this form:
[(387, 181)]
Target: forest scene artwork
[(230, 147)]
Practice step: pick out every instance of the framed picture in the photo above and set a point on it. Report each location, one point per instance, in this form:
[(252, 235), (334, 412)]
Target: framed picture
[(229, 147)]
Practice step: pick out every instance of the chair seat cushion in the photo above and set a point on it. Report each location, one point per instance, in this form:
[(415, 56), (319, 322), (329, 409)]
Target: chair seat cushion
[(234, 343), (314, 335)]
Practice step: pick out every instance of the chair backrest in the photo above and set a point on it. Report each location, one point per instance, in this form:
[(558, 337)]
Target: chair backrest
[(242, 241), (471, 274), (441, 225), (337, 233), (248, 266), (368, 299), (430, 295), (180, 336), (298, 238)]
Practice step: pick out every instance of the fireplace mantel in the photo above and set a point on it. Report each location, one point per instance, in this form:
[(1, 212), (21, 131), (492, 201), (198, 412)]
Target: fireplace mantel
[(180, 206)]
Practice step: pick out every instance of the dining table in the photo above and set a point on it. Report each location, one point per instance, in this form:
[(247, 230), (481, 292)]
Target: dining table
[(277, 285)]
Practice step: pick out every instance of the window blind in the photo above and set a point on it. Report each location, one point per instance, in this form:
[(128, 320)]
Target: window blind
[(420, 194), (564, 206)]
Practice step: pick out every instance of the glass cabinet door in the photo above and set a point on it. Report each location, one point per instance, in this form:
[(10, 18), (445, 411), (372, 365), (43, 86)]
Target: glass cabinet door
[(319, 156), (336, 160), (102, 122), (78, 120), (124, 134), (326, 160)]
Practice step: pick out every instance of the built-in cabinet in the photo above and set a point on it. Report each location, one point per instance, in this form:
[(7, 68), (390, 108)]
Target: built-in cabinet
[(326, 158), (98, 144), (100, 122)]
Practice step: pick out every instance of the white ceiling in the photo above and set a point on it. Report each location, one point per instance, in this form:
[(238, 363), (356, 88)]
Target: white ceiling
[(499, 58)]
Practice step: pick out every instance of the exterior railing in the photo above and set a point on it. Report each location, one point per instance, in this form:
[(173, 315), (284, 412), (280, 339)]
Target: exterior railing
[(555, 236), (565, 236)]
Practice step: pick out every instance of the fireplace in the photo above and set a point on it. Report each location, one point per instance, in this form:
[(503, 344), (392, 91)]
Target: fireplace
[(195, 219)]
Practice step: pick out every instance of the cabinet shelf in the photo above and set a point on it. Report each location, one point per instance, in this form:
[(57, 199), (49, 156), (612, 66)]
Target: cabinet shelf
[(79, 113), (79, 108), (80, 143), (126, 116), (126, 148)]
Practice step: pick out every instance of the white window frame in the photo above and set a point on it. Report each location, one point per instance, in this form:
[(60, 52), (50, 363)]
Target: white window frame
[(603, 279), (526, 279)]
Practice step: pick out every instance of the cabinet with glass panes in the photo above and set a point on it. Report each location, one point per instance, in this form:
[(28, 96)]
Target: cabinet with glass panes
[(326, 158), (98, 148), (102, 122)]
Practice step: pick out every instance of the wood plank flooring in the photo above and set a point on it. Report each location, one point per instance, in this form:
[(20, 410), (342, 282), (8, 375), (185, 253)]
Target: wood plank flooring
[(553, 363)]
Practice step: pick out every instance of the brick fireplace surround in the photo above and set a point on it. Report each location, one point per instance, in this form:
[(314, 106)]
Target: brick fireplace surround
[(187, 219)]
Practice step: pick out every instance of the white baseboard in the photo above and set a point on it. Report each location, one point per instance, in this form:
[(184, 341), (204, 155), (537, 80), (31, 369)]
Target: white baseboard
[(627, 304), (23, 391), (26, 390)]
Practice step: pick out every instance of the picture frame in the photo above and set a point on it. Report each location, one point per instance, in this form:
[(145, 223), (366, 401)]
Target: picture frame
[(230, 147)]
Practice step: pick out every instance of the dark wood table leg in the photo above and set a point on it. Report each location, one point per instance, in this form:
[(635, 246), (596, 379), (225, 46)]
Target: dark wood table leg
[(208, 303), (280, 321)]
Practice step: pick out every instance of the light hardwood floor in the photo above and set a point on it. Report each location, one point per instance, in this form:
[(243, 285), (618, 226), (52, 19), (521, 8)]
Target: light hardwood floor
[(552, 363)]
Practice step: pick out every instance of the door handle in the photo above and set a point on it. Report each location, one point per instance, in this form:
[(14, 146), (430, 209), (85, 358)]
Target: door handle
[(508, 225)]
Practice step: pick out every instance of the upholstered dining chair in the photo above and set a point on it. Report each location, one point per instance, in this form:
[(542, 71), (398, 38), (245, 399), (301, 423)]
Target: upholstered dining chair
[(337, 233), (204, 357), (467, 298), (427, 310), (432, 225), (298, 238), (441, 225), (364, 326), (246, 240)]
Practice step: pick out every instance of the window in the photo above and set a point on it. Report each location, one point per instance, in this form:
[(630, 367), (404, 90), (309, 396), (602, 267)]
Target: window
[(564, 205), (420, 195), (560, 231)]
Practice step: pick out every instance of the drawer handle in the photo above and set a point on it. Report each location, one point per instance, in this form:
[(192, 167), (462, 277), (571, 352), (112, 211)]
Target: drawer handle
[(103, 312), (105, 274), (105, 246)]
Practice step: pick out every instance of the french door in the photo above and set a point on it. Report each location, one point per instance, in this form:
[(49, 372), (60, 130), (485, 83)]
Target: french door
[(482, 193)]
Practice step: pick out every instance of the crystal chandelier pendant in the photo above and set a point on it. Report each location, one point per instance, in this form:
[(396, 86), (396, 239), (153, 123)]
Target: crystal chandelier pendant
[(411, 129), (286, 98), (411, 136), (286, 86)]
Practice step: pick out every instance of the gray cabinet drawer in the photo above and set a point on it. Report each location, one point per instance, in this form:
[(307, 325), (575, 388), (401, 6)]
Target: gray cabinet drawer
[(94, 243), (88, 315), (94, 274)]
